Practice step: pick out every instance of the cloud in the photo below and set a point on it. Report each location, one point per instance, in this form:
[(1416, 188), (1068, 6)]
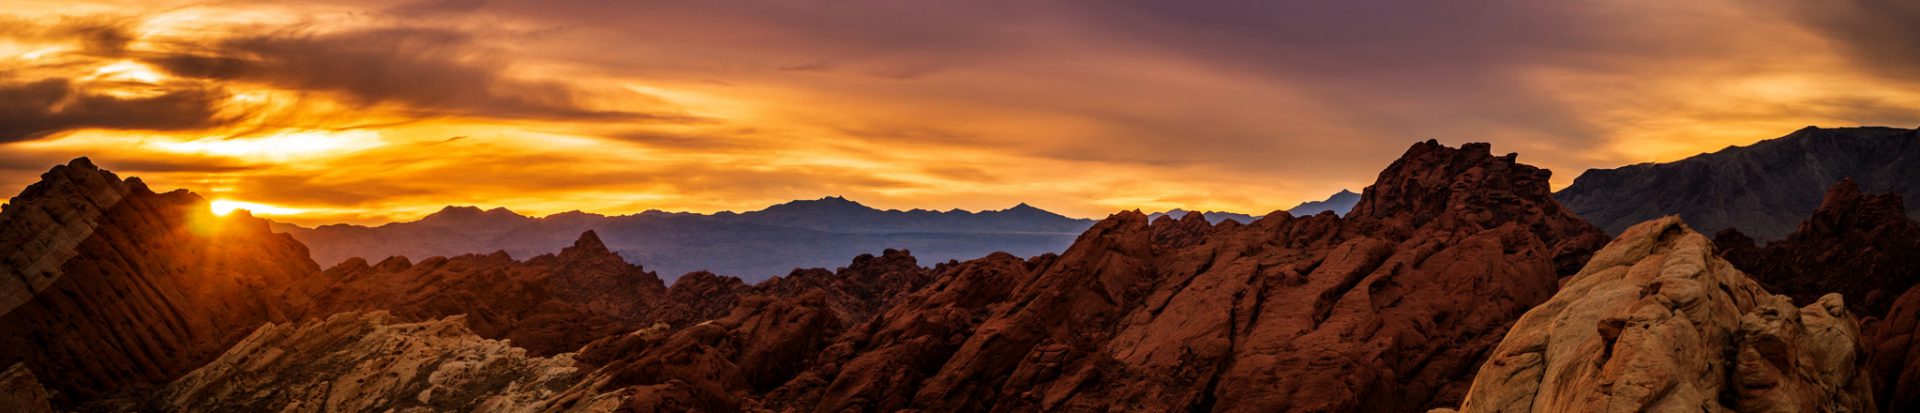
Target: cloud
[(33, 110), (429, 71), (1881, 35), (108, 35)]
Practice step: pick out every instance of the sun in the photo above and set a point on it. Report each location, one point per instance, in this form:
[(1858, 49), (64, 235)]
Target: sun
[(223, 207)]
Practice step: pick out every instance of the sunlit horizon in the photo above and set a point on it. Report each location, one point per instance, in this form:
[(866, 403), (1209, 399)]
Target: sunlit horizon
[(369, 111)]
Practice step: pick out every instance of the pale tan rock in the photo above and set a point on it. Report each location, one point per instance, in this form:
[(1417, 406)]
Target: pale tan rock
[(370, 362), (1656, 322), (21, 393)]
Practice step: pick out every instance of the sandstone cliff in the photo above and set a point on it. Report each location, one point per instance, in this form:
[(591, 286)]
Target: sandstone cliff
[(1657, 322), (549, 304), (40, 228), (139, 287)]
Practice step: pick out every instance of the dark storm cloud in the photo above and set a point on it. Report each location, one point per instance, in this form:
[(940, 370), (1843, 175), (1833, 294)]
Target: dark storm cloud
[(96, 34), (37, 109), (1880, 34), (432, 71)]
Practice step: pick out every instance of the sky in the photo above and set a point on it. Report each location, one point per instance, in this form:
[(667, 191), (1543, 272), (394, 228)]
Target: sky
[(367, 111)]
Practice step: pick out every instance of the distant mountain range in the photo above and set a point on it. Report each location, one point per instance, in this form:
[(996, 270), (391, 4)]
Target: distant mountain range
[(752, 245), (1765, 189), (1339, 204)]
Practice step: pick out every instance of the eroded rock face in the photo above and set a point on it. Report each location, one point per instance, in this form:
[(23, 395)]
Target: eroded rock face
[(1859, 245), (1385, 310), (549, 304), (146, 286), (1657, 322), (40, 228), (373, 362)]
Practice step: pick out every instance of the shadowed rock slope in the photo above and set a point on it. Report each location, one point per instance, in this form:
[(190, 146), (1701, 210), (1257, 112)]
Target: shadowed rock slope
[(1859, 245), (115, 286), (549, 304), (372, 362), (1764, 189)]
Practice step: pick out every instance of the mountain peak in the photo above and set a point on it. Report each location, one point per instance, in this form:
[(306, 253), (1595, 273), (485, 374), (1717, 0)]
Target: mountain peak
[(474, 218), (589, 242), (836, 199), (1424, 182)]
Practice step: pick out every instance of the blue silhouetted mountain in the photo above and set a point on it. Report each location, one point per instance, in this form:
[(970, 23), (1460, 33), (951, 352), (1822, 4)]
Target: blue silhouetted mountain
[(1339, 203), (1765, 189), (753, 245), (1214, 217)]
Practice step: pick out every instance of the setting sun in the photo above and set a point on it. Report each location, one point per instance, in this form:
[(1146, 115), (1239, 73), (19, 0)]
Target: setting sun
[(224, 207)]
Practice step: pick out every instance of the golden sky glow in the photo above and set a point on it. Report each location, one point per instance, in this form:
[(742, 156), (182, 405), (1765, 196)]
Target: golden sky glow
[(370, 111)]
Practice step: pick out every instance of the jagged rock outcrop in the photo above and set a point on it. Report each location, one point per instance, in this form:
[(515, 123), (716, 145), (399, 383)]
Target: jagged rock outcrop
[(1764, 189), (549, 304), (1389, 309), (1657, 322), (145, 286), (1861, 246), (40, 228), (20, 392), (373, 362)]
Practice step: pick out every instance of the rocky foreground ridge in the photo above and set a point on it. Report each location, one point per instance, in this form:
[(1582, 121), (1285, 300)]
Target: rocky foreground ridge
[(1657, 322)]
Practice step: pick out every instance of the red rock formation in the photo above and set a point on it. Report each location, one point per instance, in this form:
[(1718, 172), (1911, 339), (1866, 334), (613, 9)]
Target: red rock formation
[(1895, 360), (143, 287), (1861, 246), (1390, 309), (549, 304)]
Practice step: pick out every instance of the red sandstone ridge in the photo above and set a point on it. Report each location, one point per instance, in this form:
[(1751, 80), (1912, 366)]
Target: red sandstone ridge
[(549, 304), (114, 285), (1859, 245), (1390, 309)]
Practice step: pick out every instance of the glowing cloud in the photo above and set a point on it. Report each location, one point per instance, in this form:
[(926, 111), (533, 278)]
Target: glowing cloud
[(279, 147), (226, 206)]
